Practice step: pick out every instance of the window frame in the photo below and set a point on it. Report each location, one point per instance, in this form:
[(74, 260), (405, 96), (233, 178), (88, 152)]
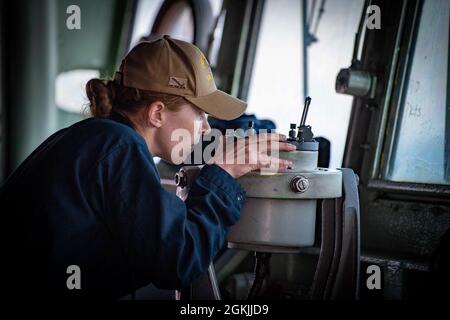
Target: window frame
[(385, 138), (237, 51)]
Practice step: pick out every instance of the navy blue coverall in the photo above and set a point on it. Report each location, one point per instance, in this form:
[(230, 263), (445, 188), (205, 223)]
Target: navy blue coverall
[(90, 196)]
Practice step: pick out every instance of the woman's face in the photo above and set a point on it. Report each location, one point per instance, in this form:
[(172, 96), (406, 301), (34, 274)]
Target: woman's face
[(180, 131)]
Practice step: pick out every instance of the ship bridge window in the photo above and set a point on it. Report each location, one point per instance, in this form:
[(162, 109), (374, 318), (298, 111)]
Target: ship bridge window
[(421, 147), (276, 89)]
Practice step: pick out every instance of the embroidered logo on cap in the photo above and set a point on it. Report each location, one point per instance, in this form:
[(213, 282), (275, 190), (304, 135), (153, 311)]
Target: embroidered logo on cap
[(177, 82)]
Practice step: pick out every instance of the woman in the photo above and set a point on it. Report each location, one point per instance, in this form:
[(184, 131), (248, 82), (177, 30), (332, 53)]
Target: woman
[(87, 210)]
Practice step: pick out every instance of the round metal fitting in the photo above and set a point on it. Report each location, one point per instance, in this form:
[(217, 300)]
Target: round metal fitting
[(299, 184), (180, 179)]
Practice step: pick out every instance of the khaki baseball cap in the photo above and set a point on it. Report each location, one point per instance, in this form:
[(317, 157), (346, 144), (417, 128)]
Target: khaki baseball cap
[(176, 67)]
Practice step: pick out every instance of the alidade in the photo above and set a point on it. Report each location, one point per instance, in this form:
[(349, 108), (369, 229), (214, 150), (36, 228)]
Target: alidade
[(279, 214), (280, 211)]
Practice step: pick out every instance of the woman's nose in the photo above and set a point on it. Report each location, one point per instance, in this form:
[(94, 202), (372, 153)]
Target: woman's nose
[(205, 127)]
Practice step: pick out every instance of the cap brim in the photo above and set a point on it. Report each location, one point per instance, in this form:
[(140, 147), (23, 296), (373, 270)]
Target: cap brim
[(220, 105)]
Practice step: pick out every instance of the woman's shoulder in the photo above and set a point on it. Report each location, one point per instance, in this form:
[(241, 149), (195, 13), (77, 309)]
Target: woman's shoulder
[(105, 129), (96, 138)]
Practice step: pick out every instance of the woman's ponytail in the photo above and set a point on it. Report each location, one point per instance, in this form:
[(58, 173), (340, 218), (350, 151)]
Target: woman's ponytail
[(101, 97)]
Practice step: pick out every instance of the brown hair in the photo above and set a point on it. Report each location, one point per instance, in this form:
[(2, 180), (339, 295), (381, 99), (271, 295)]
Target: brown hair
[(108, 95)]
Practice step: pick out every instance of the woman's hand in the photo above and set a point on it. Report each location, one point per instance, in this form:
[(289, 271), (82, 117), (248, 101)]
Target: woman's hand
[(242, 155)]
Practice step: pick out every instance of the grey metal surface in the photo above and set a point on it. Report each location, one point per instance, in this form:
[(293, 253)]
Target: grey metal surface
[(388, 95), (275, 222), (302, 160), (307, 146), (189, 174), (276, 216), (213, 282), (404, 228), (329, 245), (395, 272), (415, 190), (337, 272), (353, 82), (323, 183), (346, 284)]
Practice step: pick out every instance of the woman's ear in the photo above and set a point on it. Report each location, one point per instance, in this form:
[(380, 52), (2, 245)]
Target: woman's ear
[(155, 114)]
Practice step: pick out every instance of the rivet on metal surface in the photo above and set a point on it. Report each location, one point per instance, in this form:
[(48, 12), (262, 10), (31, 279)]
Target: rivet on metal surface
[(180, 179), (299, 184)]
